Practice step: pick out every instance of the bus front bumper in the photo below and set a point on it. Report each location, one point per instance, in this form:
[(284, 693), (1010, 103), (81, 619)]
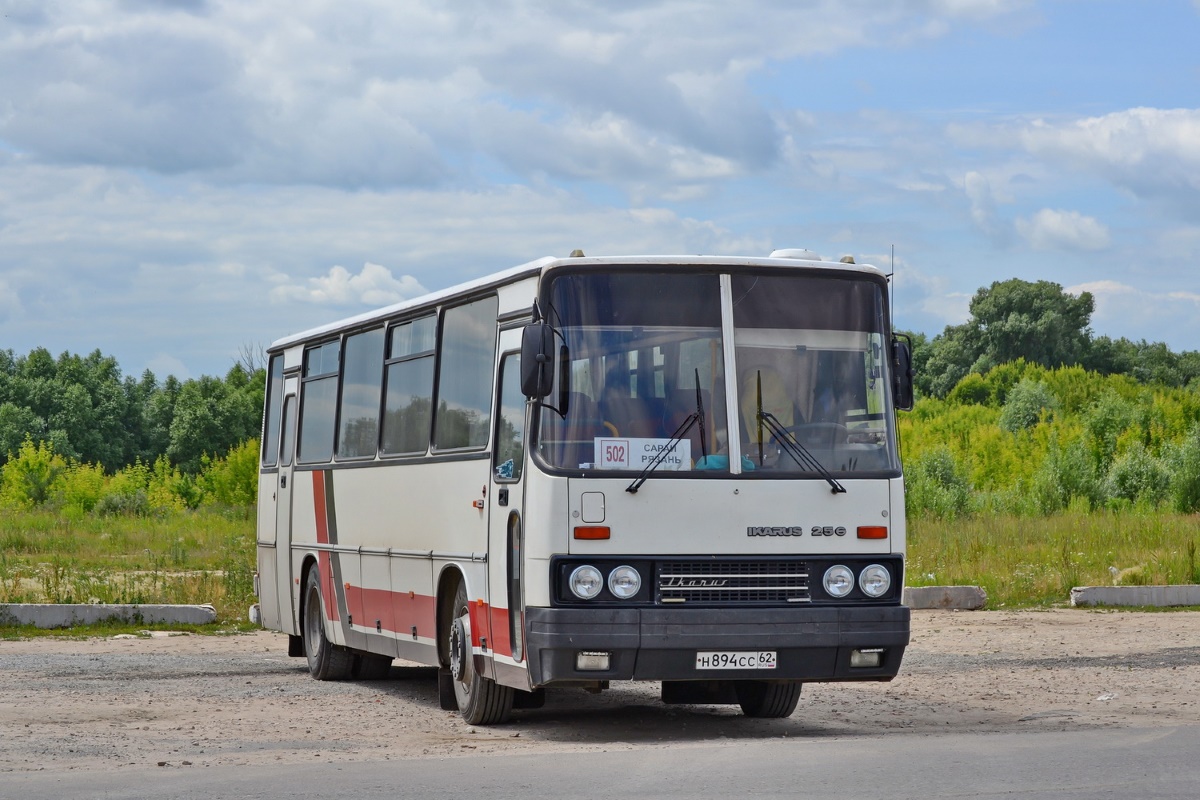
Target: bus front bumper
[(655, 644)]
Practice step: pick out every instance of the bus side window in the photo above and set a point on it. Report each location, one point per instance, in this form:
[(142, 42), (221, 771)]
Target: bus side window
[(270, 442), (318, 400), (466, 358), (358, 410), (510, 423)]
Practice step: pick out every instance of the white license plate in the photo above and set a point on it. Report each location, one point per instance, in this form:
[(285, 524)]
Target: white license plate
[(726, 659)]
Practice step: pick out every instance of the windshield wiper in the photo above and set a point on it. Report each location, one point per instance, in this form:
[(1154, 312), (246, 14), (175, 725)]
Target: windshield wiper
[(696, 417), (790, 444)]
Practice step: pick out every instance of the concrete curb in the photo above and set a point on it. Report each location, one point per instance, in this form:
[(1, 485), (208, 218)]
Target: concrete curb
[(1162, 596), (66, 615), (958, 598)]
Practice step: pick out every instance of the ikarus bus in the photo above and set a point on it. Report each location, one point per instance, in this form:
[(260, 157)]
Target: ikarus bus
[(583, 470)]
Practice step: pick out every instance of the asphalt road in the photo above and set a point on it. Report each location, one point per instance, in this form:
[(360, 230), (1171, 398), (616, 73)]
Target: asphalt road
[(1107, 763)]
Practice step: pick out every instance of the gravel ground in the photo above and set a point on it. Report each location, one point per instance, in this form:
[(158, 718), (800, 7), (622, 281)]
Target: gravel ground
[(188, 701)]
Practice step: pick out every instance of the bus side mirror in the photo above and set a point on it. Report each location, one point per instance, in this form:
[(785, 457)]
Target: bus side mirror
[(537, 360), (902, 373)]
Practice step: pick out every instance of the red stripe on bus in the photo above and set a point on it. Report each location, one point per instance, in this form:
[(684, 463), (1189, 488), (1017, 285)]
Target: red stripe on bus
[(323, 557), (319, 506), (398, 613)]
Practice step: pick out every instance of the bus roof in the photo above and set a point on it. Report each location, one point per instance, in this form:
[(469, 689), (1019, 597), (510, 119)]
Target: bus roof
[(541, 265)]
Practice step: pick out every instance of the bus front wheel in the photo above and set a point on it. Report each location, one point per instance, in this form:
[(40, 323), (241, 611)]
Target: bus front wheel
[(326, 661), (481, 701), (768, 700)]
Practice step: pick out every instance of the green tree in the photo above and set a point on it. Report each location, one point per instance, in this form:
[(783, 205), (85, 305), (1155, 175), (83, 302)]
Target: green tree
[(1011, 319)]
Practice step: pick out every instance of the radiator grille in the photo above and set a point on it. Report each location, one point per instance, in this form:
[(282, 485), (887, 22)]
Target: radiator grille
[(732, 582)]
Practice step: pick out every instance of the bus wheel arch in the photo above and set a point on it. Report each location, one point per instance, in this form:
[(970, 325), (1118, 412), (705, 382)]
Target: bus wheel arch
[(326, 661), (480, 700)]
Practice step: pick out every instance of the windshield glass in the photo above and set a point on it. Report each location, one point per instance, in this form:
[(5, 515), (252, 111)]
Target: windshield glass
[(640, 344), (809, 353), (809, 367)]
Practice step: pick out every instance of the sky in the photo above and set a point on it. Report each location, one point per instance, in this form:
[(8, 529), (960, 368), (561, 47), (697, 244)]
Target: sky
[(183, 182)]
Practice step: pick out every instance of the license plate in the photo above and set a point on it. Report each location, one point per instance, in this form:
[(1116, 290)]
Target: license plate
[(725, 659)]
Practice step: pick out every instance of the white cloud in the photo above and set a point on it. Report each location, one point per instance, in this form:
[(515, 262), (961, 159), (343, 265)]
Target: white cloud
[(1052, 229), (10, 301), (983, 205), (283, 92), (374, 285), (1149, 151), (1139, 313)]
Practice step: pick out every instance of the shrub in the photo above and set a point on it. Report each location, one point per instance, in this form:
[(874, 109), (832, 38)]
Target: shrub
[(1138, 477), (27, 478), (80, 487), (233, 480), (1066, 476), (937, 485), (1184, 461), (133, 504), (1108, 418), (1026, 403)]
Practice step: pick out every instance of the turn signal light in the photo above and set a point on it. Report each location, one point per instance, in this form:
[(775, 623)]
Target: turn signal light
[(872, 532), (591, 532)]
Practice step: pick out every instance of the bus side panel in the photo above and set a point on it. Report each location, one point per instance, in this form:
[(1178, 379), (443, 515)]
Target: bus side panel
[(411, 521), (311, 534), (547, 527), (899, 520)]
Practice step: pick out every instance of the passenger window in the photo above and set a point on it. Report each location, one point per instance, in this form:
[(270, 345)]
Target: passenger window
[(362, 376), (318, 402), (465, 372), (408, 406), (270, 443)]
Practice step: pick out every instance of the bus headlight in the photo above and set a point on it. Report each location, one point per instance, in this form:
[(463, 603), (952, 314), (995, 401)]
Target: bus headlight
[(875, 581), (624, 582), (838, 581), (585, 582)]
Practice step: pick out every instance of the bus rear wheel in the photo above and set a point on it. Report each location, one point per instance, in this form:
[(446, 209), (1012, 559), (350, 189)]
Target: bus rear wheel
[(326, 661), (481, 701), (766, 699)]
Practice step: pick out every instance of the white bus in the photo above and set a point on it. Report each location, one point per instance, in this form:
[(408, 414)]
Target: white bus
[(582, 470)]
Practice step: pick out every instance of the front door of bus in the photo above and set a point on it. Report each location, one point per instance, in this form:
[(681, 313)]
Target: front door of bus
[(505, 529)]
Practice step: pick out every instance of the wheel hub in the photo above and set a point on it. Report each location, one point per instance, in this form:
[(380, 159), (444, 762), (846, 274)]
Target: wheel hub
[(459, 636)]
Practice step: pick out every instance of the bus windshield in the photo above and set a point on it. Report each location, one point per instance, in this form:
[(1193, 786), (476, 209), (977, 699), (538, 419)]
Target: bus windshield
[(647, 372)]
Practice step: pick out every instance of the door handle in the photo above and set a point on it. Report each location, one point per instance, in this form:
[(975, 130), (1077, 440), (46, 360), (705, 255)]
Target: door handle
[(502, 497), (283, 481)]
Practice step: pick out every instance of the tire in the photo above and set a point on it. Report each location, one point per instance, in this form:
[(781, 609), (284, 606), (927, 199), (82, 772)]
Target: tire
[(326, 661), (768, 700), (480, 700)]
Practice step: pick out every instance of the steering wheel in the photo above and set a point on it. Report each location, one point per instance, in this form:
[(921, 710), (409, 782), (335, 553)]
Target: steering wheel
[(611, 428), (820, 432)]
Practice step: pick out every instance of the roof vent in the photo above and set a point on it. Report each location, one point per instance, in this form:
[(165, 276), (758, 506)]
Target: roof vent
[(796, 252), (577, 253)]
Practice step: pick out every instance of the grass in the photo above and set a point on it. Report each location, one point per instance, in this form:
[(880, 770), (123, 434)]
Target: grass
[(191, 557), (208, 556), (1029, 562)]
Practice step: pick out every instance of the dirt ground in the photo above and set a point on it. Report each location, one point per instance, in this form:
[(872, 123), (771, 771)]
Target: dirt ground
[(189, 701)]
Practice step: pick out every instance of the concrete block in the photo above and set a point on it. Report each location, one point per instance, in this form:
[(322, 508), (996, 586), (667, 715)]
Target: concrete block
[(66, 615), (966, 598), (1160, 596)]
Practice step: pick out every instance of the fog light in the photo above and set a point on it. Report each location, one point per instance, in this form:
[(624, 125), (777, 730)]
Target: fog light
[(866, 658), (588, 661)]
